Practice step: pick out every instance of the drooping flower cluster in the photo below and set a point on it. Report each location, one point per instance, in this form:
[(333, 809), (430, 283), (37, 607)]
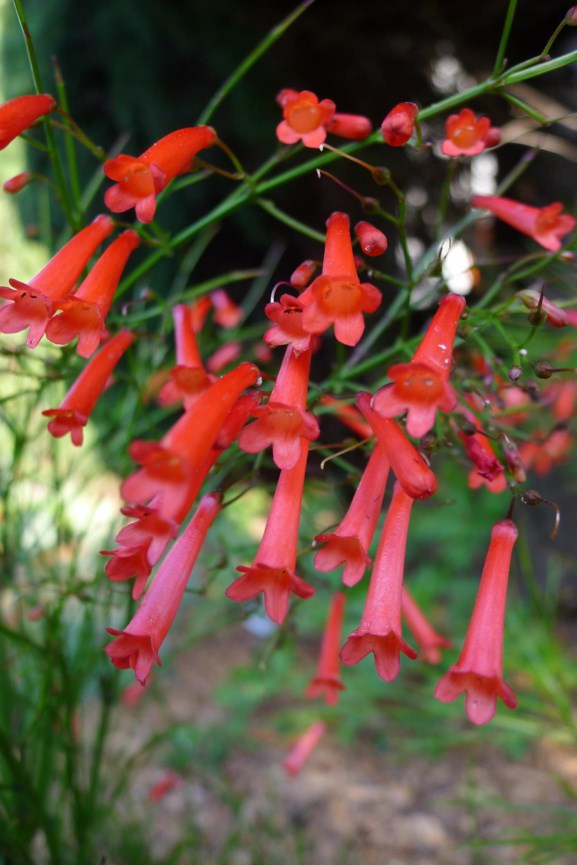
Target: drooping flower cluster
[(435, 393)]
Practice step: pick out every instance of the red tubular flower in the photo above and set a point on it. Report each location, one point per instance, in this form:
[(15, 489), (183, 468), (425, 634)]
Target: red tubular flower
[(337, 297), (18, 114), (479, 670), (223, 356), (327, 681), (399, 124), (176, 466), (543, 454), (83, 315), (380, 629), (467, 136), (75, 409), (546, 225), (355, 127), (305, 118), (349, 416), (422, 386), (143, 542), (188, 379), (349, 543), (283, 421), (409, 467), (428, 640), (487, 470), (137, 646), (273, 570), (303, 748), (372, 240), (227, 313), (33, 302), (287, 329), (140, 179)]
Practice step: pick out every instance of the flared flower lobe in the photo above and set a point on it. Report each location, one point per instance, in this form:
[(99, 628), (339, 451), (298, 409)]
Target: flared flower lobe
[(140, 179), (337, 297), (479, 669), (546, 225), (305, 118)]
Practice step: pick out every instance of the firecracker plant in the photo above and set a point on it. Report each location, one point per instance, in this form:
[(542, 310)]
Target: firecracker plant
[(465, 383)]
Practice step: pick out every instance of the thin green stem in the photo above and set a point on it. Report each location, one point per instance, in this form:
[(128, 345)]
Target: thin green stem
[(525, 108), (64, 194), (273, 36), (69, 143), (500, 58), (295, 224), (523, 71)]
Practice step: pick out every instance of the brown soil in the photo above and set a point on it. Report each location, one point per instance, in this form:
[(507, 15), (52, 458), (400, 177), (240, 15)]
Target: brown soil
[(350, 804)]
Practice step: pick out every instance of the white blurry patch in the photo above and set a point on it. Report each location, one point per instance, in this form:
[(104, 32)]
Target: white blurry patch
[(484, 168), (259, 625), (457, 261), (447, 75)]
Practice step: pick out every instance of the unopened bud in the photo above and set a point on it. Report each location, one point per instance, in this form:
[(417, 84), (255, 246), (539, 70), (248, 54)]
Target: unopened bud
[(372, 240), (371, 205), (515, 373), (303, 274), (543, 369), (571, 17), (513, 461), (381, 175), (18, 182), (399, 124)]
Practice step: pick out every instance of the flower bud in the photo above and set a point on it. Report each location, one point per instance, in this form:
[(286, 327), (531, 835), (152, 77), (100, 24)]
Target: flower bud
[(399, 124), (515, 373), (571, 17), (372, 240), (18, 182), (303, 274)]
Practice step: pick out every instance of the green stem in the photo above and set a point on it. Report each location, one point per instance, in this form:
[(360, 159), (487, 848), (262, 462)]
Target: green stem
[(73, 221), (500, 58), (295, 224), (241, 70)]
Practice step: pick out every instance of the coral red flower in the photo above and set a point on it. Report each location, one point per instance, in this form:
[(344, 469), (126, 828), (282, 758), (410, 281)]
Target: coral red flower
[(188, 379), (337, 297), (227, 313), (283, 421), (273, 569), (428, 640), (137, 646), (140, 179), (176, 467), (399, 124), (467, 136), (32, 302), (327, 681), (356, 127), (422, 386), (223, 356), (479, 670), (350, 416), (18, 114), (75, 409), (546, 225), (487, 470), (303, 748), (380, 629), (143, 542), (349, 543), (83, 314), (544, 453), (305, 118), (409, 467), (287, 329), (372, 240)]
